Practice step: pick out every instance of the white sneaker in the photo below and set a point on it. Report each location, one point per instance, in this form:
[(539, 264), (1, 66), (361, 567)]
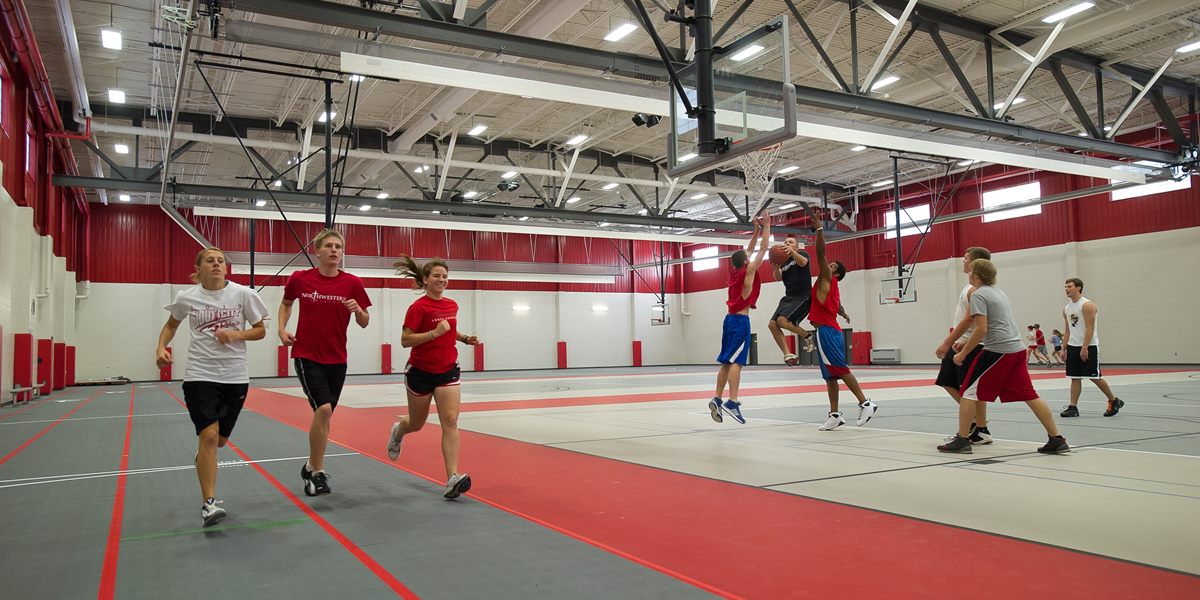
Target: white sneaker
[(394, 442), (791, 360), (211, 512), (457, 486), (809, 345), (866, 410), (834, 421)]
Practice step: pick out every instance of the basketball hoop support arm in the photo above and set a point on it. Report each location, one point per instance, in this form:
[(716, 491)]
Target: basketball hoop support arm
[(701, 23)]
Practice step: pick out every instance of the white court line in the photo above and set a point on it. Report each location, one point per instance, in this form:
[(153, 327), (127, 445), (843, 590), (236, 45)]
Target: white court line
[(27, 481), (92, 418), (847, 427)]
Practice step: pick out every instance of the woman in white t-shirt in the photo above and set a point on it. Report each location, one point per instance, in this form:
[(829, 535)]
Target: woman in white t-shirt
[(216, 380)]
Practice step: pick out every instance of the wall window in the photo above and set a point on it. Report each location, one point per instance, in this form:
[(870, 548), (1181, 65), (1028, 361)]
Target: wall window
[(908, 216), (708, 263), (1158, 187), (1020, 193)]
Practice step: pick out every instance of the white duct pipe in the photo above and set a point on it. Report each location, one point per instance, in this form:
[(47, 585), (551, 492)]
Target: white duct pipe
[(80, 107)]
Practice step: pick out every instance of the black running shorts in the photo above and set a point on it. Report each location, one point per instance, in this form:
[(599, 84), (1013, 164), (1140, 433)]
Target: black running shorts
[(951, 375), (1077, 368), (209, 402), (421, 383), (322, 383)]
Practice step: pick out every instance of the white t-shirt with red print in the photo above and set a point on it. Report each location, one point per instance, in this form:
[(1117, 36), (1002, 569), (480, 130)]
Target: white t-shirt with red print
[(206, 311)]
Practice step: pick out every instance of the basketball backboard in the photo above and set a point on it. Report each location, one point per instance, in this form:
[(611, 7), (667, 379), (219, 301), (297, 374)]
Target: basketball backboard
[(755, 100), (897, 290)]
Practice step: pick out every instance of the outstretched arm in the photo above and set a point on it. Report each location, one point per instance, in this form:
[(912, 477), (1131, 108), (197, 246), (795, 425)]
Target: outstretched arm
[(824, 275)]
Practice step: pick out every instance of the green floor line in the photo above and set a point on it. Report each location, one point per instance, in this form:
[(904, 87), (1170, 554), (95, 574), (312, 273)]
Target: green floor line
[(259, 526)]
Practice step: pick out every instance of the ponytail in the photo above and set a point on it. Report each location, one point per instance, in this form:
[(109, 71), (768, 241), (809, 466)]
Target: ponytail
[(407, 267)]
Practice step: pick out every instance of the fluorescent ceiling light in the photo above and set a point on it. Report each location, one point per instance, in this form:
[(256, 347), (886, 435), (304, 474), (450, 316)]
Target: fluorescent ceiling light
[(1192, 47), (1066, 12), (277, 183), (508, 175), (110, 39), (478, 129), (609, 186), (577, 140), (599, 308), (964, 163), (260, 203), (786, 170), (620, 32), (1016, 101), (121, 148), (699, 196), (324, 116), (365, 207), (573, 199), (787, 206), (520, 308), (116, 96), (687, 157), (886, 81), (525, 218), (605, 224), (747, 52), (381, 195), (858, 148), (881, 183), (356, 78), (1108, 127), (642, 211), (437, 212), (731, 220), (419, 170), (470, 194), (123, 197)]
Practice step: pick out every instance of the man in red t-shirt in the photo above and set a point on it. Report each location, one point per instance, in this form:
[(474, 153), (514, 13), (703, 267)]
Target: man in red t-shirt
[(328, 296), (831, 345), (743, 288)]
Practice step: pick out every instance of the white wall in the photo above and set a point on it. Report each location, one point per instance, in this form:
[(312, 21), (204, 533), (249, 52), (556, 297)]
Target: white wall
[(1143, 285), (118, 326), (37, 293)]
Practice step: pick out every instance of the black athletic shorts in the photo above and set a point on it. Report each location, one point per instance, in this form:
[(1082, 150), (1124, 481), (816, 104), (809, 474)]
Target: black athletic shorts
[(322, 383), (952, 375), (209, 402), (1078, 369), (420, 383), (793, 308)]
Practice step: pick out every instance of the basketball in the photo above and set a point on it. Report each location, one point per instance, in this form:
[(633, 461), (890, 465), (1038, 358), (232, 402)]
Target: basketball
[(779, 254)]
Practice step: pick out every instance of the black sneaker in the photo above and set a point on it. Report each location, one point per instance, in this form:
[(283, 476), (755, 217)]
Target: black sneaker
[(1055, 445), (1071, 411), (1114, 407), (959, 445), (320, 484), (306, 476), (980, 436)]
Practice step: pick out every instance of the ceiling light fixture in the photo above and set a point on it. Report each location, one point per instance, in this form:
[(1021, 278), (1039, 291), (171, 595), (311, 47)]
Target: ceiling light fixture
[(787, 206), (110, 39), (699, 196), (1016, 101), (687, 157), (789, 169), (381, 195), (123, 197), (260, 203), (578, 139), (365, 207), (508, 175), (478, 129), (882, 83), (1066, 12), (878, 184), (620, 32), (356, 78), (573, 199), (325, 116), (121, 148), (470, 194), (858, 148), (116, 96), (747, 52), (609, 186), (1192, 47)]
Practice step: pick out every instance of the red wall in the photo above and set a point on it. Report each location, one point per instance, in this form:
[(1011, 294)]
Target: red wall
[(139, 244), (1080, 220)]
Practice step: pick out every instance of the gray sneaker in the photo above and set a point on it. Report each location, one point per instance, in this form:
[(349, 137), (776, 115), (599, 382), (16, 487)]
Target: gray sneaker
[(395, 441), (211, 512), (457, 486)]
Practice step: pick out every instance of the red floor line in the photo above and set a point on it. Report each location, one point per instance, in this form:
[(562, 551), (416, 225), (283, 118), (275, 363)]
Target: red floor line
[(607, 548), (48, 428), (377, 569), (112, 550)]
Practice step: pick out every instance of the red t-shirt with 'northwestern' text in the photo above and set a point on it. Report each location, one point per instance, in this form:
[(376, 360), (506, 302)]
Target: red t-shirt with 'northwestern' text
[(321, 329)]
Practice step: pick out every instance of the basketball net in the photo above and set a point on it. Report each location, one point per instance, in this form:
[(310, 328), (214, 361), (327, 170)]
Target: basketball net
[(758, 168)]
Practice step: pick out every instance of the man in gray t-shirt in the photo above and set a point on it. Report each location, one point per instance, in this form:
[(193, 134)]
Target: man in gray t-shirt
[(999, 371), (1002, 334)]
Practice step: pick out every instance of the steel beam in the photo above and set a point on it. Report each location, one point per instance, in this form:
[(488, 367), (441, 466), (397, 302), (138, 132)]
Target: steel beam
[(153, 172), (1073, 99), (1168, 119), (632, 189), (466, 208), (104, 157), (959, 76), (424, 194), (812, 38), (279, 176)]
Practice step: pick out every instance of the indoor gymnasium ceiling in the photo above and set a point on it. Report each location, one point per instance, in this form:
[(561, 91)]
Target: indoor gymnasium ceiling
[(1135, 33)]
